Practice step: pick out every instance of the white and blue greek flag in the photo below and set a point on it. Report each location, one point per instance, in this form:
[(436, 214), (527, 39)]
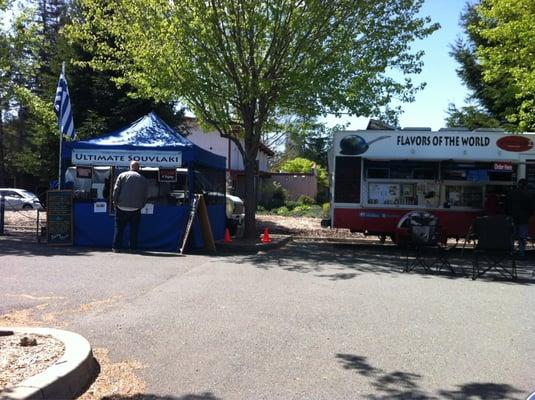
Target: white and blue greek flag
[(62, 106)]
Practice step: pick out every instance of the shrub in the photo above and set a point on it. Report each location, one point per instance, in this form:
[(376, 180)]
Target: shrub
[(291, 204), (301, 210), (282, 211), (323, 195), (304, 199), (298, 165), (326, 209), (273, 196)]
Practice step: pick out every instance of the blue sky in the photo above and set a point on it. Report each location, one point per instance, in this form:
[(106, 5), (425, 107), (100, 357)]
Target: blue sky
[(443, 85)]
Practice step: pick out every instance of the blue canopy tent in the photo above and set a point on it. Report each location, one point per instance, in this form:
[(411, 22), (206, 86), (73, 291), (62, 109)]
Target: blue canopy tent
[(154, 144)]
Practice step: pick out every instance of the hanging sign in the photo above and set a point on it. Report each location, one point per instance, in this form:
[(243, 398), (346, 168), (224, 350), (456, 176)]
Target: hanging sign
[(112, 157), (167, 175), (84, 172), (503, 166)]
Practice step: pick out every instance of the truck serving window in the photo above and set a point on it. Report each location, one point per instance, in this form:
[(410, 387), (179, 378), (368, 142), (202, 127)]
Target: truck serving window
[(347, 180), (401, 169), (464, 196)]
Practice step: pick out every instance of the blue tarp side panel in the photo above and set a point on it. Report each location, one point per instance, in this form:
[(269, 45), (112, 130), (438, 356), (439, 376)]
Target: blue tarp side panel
[(216, 215), (159, 231), (148, 133)]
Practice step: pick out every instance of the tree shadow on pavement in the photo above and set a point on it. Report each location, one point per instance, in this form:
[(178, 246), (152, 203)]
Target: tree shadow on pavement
[(483, 391), (337, 261), (398, 385), (395, 385), (322, 258), (145, 396), (18, 247), (11, 246)]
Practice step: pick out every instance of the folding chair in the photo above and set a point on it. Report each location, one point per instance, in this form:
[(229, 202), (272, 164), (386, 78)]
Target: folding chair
[(425, 243), (494, 248)]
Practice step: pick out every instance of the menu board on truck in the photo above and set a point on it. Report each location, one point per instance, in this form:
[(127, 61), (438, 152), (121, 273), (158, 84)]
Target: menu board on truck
[(59, 217), (383, 193)]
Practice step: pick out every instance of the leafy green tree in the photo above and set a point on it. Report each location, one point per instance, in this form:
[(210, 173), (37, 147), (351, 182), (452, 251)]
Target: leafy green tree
[(238, 65), (298, 165), (300, 137), (470, 117), (40, 126), (31, 55), (18, 63), (301, 165), (497, 48), (99, 106), (508, 58)]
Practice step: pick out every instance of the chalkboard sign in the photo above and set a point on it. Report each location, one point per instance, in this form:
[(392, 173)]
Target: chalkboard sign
[(59, 217)]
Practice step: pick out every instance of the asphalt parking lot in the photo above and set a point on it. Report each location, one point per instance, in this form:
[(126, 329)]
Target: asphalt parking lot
[(308, 321)]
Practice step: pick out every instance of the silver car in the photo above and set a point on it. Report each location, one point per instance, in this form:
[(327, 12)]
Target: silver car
[(19, 199)]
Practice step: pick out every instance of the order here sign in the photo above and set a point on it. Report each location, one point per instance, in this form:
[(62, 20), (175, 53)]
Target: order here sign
[(113, 157)]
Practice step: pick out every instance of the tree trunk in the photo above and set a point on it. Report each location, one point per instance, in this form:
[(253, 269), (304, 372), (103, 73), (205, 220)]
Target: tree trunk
[(249, 163), (250, 197), (252, 128)]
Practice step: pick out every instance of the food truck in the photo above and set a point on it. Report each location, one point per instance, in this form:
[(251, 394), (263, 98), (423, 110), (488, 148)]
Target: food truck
[(175, 168), (377, 176)]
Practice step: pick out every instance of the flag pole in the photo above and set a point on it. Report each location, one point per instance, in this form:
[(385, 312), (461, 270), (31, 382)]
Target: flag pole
[(60, 137)]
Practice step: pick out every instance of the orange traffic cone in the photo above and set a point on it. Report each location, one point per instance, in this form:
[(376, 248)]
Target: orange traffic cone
[(265, 236), (227, 238)]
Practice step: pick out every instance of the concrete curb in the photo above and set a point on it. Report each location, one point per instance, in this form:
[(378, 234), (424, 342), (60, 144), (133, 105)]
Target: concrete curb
[(66, 379), (244, 247)]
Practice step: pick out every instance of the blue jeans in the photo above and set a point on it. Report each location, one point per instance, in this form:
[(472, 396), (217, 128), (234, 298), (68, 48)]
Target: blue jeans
[(123, 218), (521, 232)]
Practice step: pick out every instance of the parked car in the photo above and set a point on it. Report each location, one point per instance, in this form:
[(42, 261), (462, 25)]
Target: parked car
[(20, 199), (235, 215)]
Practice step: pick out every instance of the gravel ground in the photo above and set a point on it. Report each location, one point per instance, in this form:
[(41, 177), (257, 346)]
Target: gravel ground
[(301, 226), (23, 221), (18, 363)]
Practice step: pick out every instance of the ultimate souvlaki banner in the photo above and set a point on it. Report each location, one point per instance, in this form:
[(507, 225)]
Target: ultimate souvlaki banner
[(125, 157)]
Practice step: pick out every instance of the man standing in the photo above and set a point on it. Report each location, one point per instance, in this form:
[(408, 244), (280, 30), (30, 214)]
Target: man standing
[(129, 196), (520, 209)]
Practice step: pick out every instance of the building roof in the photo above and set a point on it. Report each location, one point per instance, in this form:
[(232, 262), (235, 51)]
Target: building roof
[(191, 122)]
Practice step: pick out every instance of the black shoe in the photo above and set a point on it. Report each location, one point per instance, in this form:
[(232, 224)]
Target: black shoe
[(116, 250)]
